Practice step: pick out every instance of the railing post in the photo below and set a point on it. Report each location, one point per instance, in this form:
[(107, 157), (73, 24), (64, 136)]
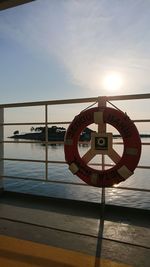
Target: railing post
[(1, 149), (102, 129), (46, 142)]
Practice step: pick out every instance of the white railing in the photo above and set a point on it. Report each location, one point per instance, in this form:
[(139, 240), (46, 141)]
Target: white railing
[(46, 122)]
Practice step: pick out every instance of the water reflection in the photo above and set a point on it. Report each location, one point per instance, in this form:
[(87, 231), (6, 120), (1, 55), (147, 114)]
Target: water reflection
[(60, 172)]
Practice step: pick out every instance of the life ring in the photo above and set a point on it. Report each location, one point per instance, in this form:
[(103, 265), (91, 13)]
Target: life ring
[(102, 144)]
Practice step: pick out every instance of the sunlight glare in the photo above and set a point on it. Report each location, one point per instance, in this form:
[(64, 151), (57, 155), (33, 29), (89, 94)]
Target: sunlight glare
[(113, 82)]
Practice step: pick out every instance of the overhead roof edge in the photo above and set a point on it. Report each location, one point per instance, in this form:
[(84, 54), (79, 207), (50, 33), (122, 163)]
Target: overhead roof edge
[(5, 4)]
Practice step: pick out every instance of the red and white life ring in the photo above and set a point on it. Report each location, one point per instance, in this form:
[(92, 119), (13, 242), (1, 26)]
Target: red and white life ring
[(124, 166)]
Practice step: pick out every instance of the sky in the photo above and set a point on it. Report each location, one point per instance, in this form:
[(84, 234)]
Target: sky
[(53, 49), (74, 49)]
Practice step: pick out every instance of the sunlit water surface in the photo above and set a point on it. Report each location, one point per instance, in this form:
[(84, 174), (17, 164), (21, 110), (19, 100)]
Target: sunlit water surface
[(60, 172)]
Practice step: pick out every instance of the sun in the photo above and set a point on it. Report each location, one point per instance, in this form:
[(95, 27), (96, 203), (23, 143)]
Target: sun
[(113, 82)]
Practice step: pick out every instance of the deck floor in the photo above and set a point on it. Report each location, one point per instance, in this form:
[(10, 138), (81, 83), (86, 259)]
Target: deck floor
[(38, 231)]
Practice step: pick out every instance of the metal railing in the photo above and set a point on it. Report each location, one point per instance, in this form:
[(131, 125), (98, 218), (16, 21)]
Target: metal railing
[(46, 122)]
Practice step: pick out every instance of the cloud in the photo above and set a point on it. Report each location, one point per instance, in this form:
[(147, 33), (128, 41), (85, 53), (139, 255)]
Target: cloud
[(88, 38)]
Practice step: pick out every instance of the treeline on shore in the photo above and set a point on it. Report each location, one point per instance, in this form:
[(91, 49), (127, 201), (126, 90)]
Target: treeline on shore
[(56, 134)]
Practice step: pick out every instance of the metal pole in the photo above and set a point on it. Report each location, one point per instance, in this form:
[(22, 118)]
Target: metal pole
[(46, 142), (1, 149), (102, 129)]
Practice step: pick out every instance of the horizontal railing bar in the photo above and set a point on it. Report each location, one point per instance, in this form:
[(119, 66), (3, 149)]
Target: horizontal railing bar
[(132, 188), (120, 143), (64, 162), (146, 143), (55, 142), (44, 142), (24, 160), (57, 161), (141, 120), (50, 123), (50, 102), (44, 180), (76, 101), (17, 140), (33, 123), (30, 160), (49, 161), (33, 142), (129, 97), (39, 141), (22, 123), (110, 165), (23, 142), (143, 167), (59, 142), (75, 183)]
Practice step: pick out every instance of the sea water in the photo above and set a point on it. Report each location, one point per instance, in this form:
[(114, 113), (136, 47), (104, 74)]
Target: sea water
[(60, 173)]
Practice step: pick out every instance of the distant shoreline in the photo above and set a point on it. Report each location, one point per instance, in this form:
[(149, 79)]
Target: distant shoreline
[(58, 137), (54, 134)]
